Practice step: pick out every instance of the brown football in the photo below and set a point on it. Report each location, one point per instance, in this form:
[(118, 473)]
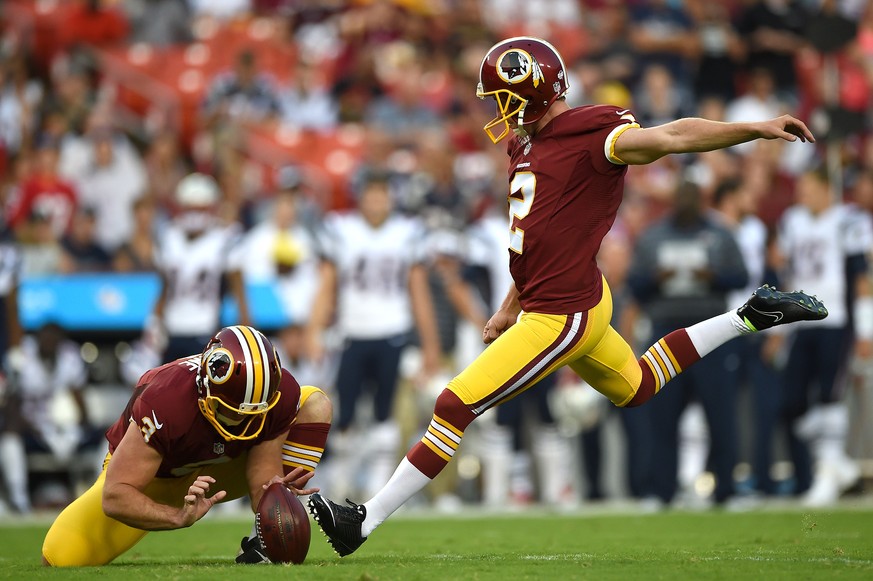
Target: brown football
[(283, 525)]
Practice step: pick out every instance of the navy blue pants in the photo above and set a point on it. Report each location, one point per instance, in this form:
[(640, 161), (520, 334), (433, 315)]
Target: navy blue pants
[(815, 373), (368, 363)]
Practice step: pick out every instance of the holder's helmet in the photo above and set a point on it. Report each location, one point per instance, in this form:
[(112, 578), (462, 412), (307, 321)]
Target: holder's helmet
[(238, 381)]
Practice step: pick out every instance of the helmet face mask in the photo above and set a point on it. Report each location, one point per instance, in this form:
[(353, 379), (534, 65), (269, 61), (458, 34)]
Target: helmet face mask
[(524, 75), (238, 382)]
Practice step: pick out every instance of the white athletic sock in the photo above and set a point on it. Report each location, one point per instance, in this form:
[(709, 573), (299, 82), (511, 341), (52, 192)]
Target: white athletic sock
[(496, 460), (404, 483), (711, 333), (14, 461), (553, 459)]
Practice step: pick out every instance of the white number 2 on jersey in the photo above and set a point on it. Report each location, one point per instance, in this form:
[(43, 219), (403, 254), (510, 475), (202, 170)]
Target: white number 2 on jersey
[(521, 196)]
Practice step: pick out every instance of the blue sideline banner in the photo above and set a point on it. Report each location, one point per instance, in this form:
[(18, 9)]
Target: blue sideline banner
[(121, 302)]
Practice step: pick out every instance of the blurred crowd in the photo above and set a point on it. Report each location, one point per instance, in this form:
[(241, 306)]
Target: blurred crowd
[(90, 183)]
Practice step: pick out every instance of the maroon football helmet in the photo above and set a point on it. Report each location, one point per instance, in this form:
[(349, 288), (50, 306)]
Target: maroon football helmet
[(238, 381), (525, 75)]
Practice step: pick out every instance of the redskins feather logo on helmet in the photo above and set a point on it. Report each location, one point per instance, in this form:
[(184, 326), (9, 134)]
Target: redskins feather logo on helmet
[(238, 382), (525, 75)]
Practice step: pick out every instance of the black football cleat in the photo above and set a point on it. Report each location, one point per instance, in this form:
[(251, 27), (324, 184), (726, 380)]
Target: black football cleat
[(769, 307), (340, 524), (251, 551)]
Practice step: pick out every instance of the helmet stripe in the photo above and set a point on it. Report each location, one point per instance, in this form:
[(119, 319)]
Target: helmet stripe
[(256, 364), (247, 355), (263, 366)]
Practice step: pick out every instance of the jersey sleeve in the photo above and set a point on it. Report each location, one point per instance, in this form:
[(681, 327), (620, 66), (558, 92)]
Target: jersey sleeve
[(593, 131), (615, 121), (151, 419), (327, 238)]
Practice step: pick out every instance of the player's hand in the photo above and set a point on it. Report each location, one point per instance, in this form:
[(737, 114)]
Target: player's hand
[(498, 324), (295, 481), (197, 504), (785, 127)]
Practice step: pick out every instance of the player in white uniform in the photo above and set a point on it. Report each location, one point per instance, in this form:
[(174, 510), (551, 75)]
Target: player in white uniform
[(53, 366), (373, 279), (197, 256), (825, 244), (11, 362)]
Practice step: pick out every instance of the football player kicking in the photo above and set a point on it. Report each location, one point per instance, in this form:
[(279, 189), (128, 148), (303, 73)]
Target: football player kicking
[(229, 419), (567, 168)]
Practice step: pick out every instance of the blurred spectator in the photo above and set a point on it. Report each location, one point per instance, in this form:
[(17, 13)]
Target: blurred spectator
[(772, 31), (661, 34), (683, 268), (93, 23), (198, 259), (45, 193), (20, 97), (54, 368), (825, 244), (611, 48), (402, 112), (41, 251), (241, 95), (281, 250), (538, 14), (159, 22), (659, 99), (137, 254), (373, 282), (110, 177), (757, 103), (165, 165), (82, 252), (721, 52), (307, 102), (70, 99), (220, 9)]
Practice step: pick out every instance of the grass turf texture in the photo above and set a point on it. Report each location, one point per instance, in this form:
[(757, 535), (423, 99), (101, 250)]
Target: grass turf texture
[(758, 545)]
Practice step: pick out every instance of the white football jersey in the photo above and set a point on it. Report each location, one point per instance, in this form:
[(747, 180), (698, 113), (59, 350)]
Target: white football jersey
[(194, 269), (373, 272), (817, 248), (296, 289), (751, 237), (40, 382)]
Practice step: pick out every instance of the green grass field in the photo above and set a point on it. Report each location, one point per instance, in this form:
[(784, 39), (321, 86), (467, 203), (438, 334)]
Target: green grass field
[(678, 545)]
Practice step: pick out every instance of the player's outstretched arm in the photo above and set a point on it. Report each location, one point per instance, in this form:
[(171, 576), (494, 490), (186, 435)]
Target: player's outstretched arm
[(638, 146), (133, 466)]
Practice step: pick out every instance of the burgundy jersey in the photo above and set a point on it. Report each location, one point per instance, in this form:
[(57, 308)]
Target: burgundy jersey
[(565, 188), (164, 407)]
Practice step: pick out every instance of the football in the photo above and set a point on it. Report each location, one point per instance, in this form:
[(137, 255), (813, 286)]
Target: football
[(283, 525)]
